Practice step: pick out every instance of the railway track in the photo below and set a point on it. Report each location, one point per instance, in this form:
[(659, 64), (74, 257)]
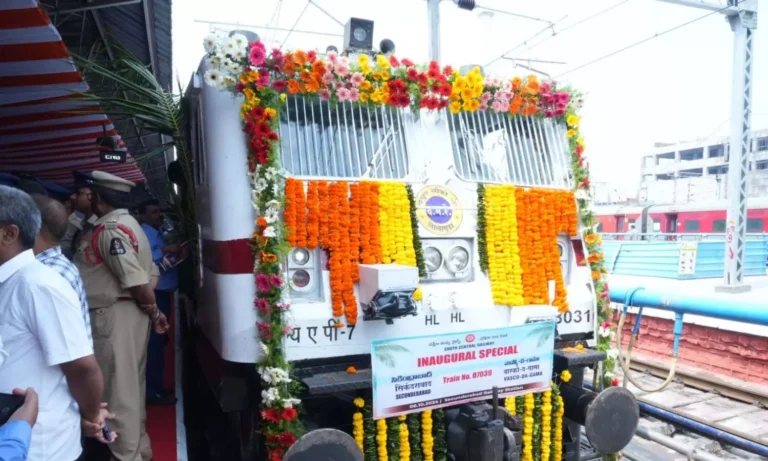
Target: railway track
[(701, 416)]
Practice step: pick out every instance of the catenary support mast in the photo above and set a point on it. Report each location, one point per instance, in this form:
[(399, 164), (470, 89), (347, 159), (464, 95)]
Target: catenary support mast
[(742, 17)]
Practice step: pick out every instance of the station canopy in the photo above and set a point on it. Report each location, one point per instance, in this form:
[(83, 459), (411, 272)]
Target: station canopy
[(46, 129)]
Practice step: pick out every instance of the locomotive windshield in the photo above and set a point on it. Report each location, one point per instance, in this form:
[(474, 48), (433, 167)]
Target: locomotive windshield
[(494, 148), (342, 140)]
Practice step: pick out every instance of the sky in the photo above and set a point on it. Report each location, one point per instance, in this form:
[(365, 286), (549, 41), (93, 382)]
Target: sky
[(674, 87)]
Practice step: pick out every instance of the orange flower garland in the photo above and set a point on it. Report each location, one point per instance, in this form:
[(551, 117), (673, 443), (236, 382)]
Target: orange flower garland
[(290, 214), (337, 193), (354, 230), (323, 212), (364, 191), (373, 219), (345, 254), (313, 216)]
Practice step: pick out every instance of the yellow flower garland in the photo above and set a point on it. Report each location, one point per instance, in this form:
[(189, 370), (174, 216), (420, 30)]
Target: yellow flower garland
[(509, 404), (396, 236), (504, 268), (559, 430), (427, 442), (528, 428), (381, 439), (405, 447), (546, 425), (357, 423)]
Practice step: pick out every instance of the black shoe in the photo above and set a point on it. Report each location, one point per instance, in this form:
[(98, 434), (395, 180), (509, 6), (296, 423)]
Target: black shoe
[(159, 400)]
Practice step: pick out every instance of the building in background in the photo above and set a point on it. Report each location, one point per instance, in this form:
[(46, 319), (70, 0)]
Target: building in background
[(698, 170)]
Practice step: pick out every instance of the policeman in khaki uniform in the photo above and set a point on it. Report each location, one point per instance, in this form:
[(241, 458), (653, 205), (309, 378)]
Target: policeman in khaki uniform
[(81, 218), (115, 262)]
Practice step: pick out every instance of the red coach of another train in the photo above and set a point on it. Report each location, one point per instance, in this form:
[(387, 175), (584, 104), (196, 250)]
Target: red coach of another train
[(689, 218)]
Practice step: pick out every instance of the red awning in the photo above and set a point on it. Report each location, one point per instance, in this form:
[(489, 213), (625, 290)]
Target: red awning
[(44, 129)]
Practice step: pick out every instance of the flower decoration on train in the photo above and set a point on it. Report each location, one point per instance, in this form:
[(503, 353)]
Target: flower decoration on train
[(368, 223)]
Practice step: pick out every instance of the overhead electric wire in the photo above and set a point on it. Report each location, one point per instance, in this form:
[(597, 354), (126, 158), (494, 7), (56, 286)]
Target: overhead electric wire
[(296, 23), (555, 33), (578, 23), (628, 47)]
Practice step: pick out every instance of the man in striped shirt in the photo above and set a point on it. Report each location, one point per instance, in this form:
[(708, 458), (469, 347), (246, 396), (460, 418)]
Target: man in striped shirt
[(48, 251)]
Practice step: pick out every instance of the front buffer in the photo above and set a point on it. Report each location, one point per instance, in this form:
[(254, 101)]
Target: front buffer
[(477, 431)]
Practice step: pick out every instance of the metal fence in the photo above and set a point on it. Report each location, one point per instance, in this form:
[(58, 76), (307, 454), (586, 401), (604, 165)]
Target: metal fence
[(660, 237)]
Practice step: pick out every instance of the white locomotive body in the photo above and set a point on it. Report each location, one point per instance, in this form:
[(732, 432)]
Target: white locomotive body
[(435, 152)]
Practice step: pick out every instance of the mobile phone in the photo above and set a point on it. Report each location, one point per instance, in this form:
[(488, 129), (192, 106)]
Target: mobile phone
[(9, 403), (106, 433)]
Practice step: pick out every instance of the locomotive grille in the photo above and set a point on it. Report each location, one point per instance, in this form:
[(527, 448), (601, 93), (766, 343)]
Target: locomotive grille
[(526, 151), (342, 140)]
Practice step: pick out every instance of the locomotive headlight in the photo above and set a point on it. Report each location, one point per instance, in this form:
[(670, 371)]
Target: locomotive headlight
[(433, 259), (458, 260), (300, 256), (300, 278)]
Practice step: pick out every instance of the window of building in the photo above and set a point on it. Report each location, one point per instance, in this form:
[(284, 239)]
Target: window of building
[(692, 154), (599, 227), (762, 165), (657, 225), (692, 226), (761, 144), (718, 225), (716, 151), (754, 225)]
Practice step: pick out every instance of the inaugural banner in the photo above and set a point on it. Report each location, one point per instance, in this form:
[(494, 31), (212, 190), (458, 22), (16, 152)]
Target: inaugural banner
[(426, 372)]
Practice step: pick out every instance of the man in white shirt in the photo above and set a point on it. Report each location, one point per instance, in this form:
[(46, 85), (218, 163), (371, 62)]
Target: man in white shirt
[(44, 338)]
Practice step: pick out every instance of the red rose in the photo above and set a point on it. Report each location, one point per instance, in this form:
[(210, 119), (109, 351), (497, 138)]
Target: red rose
[(289, 414), (270, 414), (287, 439)]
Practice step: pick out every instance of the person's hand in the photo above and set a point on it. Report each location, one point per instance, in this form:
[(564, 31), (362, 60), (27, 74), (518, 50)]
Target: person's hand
[(161, 324), (28, 411), (94, 429), (172, 248)]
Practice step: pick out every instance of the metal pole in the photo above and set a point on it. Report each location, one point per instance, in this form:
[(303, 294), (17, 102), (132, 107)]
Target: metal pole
[(433, 18), (743, 26)]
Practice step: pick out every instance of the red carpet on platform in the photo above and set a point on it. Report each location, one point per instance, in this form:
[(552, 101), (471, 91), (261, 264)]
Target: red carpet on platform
[(161, 420)]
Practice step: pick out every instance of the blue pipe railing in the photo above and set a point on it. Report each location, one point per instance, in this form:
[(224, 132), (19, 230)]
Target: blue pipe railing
[(735, 310)]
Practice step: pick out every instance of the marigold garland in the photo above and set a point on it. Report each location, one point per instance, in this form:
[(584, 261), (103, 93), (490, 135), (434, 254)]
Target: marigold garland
[(354, 231), (313, 215), (324, 211), (337, 193), (357, 424), (375, 228), (557, 424), (509, 405), (381, 440), (395, 232), (296, 207), (528, 427), (501, 235), (427, 440), (546, 425), (405, 447)]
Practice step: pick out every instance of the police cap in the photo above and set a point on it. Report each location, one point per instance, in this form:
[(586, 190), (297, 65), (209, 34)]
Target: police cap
[(81, 179), (7, 179), (110, 181), (57, 191), (31, 185)]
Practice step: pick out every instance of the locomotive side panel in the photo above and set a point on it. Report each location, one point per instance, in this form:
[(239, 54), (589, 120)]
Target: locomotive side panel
[(226, 313)]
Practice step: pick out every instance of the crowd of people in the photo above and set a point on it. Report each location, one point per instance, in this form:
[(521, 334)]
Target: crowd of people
[(85, 296)]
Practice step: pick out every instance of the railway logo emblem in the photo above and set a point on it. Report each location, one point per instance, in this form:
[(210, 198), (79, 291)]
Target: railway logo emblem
[(438, 210)]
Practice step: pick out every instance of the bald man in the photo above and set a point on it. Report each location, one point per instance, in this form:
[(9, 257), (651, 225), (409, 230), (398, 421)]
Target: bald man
[(55, 221)]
